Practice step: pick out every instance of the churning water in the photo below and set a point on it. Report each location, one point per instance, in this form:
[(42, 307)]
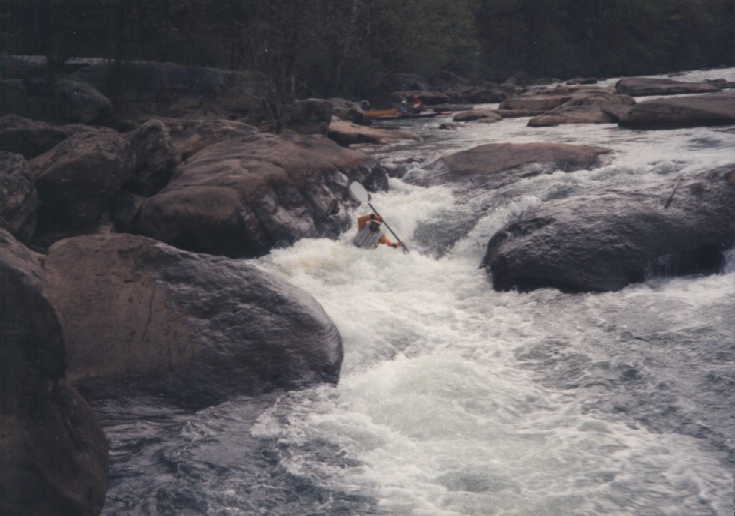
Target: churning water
[(458, 400)]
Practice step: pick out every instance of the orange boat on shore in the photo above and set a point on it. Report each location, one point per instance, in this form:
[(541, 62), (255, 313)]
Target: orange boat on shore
[(395, 114)]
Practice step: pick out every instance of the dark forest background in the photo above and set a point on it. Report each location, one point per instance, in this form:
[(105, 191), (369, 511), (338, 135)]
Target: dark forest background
[(347, 47)]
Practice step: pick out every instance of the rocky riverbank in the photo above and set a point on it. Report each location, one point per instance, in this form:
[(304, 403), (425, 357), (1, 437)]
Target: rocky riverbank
[(123, 234)]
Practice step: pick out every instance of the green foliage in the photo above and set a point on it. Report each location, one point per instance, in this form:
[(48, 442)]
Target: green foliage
[(347, 47)]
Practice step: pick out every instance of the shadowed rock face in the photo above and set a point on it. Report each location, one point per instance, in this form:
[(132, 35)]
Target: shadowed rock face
[(32, 137), (53, 456), (701, 110), (247, 195), (79, 178), (642, 86), (18, 198), (194, 328), (606, 241), (498, 164)]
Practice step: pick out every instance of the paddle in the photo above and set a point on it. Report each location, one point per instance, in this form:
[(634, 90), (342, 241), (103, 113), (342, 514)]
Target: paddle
[(359, 193)]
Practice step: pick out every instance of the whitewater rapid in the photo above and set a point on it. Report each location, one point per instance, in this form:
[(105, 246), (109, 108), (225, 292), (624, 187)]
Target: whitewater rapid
[(457, 400)]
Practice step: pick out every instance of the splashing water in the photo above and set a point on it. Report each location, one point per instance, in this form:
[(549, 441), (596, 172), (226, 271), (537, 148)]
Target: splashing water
[(458, 400)]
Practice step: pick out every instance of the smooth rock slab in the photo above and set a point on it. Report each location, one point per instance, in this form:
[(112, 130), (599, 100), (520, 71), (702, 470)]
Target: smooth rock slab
[(497, 164), (603, 242), (694, 111), (198, 329), (643, 86)]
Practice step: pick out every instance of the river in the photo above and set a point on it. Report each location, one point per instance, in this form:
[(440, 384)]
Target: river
[(458, 400)]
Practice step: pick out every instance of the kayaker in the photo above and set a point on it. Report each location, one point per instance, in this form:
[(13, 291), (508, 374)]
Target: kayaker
[(370, 233), (417, 106), (404, 106)]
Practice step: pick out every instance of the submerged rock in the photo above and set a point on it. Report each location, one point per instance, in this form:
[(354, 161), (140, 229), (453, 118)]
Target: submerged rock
[(702, 110), (606, 241), (53, 455), (197, 329), (498, 164), (486, 115), (643, 86), (244, 196)]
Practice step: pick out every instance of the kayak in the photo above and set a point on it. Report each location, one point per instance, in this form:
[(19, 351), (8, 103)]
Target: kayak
[(394, 114), (367, 239)]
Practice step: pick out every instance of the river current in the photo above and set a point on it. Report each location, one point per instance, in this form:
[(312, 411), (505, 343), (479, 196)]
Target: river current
[(458, 400)]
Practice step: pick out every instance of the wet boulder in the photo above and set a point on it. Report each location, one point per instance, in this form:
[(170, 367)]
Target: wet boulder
[(18, 197), (244, 196), (605, 241), (486, 115), (53, 455), (643, 86), (497, 164), (347, 133), (596, 107), (197, 329), (699, 110)]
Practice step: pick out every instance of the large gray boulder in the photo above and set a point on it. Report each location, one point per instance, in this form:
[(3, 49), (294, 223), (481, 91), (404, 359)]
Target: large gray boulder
[(189, 136), (497, 164), (53, 455), (643, 86), (18, 197), (531, 105), (197, 329), (79, 179), (76, 181), (607, 240), (246, 195), (700, 110), (587, 107)]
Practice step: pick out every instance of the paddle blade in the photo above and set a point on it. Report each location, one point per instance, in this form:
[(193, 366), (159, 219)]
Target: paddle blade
[(358, 192)]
